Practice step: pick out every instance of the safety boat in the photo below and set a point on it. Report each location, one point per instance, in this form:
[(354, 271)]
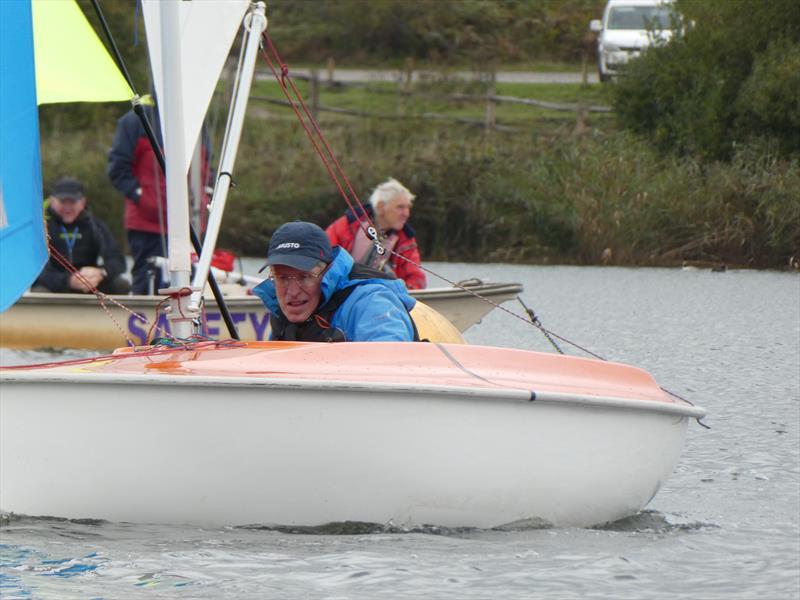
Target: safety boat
[(235, 433), (39, 320)]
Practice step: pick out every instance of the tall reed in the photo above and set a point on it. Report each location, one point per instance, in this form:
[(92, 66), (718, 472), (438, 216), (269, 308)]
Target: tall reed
[(541, 196)]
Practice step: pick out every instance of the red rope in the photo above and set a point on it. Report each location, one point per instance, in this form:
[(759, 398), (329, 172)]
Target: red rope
[(362, 216), (182, 292), (282, 79), (317, 133), (148, 352), (102, 297)]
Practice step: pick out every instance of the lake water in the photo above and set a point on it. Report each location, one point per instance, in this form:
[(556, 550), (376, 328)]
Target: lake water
[(725, 525)]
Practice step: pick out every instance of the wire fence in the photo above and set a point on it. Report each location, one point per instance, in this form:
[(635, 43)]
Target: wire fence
[(406, 87)]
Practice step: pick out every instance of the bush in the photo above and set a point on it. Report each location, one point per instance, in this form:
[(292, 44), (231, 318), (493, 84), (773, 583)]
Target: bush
[(769, 100), (531, 198), (440, 31), (729, 77)]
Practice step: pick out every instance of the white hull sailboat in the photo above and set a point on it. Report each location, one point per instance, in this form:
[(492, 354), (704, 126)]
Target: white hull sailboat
[(233, 433), (307, 434)]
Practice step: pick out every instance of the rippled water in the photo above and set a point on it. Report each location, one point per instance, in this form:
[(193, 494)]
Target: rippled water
[(725, 525)]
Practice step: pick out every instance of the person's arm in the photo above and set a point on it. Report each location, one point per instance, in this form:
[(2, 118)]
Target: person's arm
[(374, 313), (409, 272), (336, 231), (54, 278), (121, 155)]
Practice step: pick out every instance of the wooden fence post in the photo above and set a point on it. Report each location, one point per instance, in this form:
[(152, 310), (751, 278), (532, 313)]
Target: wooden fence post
[(584, 69), (408, 75), (313, 90), (581, 126), (490, 102), (589, 43), (331, 66)]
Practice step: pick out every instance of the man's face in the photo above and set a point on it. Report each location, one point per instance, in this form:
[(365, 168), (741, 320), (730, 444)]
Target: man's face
[(298, 292), (395, 213), (67, 209)]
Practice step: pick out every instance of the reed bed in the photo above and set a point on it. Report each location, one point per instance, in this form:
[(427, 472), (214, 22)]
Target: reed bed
[(549, 192)]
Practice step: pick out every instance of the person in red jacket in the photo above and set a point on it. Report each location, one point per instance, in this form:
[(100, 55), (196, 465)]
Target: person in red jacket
[(134, 171), (389, 209)]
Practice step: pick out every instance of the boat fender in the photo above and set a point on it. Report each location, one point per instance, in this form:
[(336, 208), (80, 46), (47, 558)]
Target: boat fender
[(533, 396), (433, 326)]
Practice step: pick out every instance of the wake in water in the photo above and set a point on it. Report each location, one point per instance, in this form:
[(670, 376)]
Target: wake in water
[(652, 521), (646, 521)]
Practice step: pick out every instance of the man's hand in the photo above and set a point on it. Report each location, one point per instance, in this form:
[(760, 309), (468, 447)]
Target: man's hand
[(93, 275)]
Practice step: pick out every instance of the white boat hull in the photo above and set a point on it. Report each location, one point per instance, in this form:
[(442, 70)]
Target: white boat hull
[(247, 450), (40, 320)]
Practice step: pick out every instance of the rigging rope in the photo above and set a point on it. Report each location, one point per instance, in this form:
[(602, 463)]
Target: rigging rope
[(331, 157), (160, 346), (103, 298), (369, 228), (335, 172), (282, 79), (331, 164)]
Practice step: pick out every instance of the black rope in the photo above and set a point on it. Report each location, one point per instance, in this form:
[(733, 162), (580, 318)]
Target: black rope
[(535, 321), (550, 335), (115, 50), (139, 110), (689, 402)]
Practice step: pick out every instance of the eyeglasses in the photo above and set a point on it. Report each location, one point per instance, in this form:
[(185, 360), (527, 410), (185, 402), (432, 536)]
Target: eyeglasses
[(305, 281)]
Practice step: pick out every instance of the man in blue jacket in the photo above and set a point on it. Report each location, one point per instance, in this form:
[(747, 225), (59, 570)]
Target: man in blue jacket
[(319, 294)]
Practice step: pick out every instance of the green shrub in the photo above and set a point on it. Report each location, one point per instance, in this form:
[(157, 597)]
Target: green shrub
[(769, 100), (729, 77)]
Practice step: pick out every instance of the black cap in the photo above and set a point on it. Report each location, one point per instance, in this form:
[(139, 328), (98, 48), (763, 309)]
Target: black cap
[(299, 245), (68, 188)]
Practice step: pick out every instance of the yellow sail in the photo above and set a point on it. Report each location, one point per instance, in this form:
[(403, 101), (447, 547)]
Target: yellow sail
[(72, 65)]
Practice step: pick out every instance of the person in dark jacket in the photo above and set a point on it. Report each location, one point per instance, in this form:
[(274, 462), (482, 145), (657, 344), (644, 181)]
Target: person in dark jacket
[(85, 241), (389, 208), (318, 294), (134, 171)]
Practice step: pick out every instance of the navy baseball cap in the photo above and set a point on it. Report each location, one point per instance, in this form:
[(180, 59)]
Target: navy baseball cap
[(68, 188), (300, 245)]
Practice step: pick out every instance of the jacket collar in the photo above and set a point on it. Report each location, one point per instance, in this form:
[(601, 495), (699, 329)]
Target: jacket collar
[(335, 278)]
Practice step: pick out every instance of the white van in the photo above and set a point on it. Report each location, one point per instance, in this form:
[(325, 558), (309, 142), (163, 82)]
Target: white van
[(627, 28)]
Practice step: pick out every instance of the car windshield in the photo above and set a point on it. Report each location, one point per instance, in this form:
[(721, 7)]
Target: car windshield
[(639, 17)]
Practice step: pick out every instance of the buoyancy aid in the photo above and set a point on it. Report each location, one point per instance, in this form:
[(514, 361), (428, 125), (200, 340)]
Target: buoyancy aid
[(317, 328)]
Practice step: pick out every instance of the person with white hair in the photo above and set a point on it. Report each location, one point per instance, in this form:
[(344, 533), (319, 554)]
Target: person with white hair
[(389, 209)]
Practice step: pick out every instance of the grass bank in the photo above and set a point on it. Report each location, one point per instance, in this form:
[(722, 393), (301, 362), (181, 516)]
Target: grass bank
[(543, 193)]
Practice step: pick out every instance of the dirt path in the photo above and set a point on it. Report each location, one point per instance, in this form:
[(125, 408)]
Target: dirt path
[(369, 75)]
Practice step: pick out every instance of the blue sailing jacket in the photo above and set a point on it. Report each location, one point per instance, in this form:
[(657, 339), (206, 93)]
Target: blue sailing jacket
[(375, 311)]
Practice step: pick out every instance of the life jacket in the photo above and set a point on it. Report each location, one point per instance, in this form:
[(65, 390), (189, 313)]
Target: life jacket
[(317, 328)]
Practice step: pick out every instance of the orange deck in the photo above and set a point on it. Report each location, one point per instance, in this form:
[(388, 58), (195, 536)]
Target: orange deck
[(480, 367)]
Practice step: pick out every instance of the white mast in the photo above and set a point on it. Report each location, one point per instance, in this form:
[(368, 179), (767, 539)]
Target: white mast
[(255, 23), (171, 101), (196, 186)]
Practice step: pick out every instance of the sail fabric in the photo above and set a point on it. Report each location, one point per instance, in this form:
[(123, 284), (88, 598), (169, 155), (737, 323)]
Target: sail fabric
[(23, 252), (207, 31), (72, 65)]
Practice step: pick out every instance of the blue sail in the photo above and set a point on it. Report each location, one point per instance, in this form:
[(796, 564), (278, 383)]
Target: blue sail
[(23, 250)]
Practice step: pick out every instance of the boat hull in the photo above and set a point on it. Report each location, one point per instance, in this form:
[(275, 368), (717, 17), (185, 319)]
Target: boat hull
[(215, 450), (41, 320)]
